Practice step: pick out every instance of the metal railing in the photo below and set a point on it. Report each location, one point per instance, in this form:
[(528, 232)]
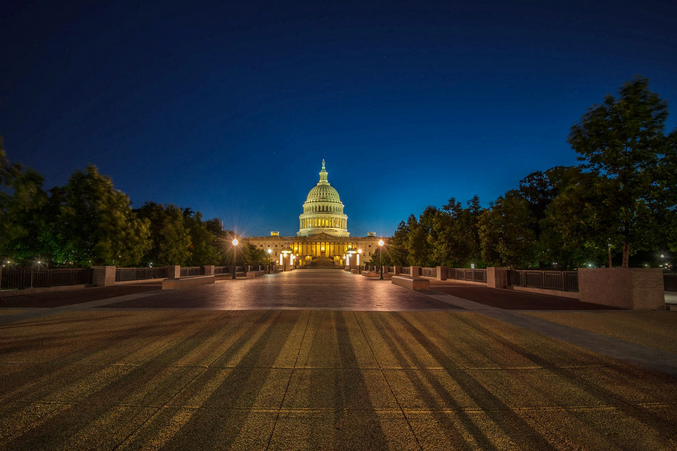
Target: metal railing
[(127, 274), (188, 271), (406, 270), (221, 269), (22, 278), (429, 272), (472, 275), (546, 280)]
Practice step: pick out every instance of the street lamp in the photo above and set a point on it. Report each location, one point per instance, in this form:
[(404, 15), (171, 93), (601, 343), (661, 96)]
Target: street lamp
[(270, 251), (234, 256), (359, 265), (350, 253), (285, 254), (380, 256)]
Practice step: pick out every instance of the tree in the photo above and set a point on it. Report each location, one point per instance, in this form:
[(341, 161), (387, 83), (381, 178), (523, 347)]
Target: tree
[(506, 233), (540, 188), (170, 238), (455, 234), (578, 222), (397, 251), (21, 203), (623, 142), (203, 250), (671, 191), (95, 223), (420, 247)]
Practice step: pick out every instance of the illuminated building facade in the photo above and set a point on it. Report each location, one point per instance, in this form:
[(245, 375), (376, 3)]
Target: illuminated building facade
[(323, 238)]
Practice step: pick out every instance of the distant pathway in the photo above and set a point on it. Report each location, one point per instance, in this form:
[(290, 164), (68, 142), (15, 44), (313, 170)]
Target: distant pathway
[(339, 291)]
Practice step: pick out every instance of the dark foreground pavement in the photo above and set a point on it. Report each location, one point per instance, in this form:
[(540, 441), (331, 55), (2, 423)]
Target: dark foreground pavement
[(161, 378)]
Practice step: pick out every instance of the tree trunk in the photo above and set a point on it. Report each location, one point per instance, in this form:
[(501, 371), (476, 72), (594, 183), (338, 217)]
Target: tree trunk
[(611, 265), (626, 254)]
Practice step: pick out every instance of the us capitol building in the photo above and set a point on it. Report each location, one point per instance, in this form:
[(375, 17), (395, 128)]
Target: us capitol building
[(323, 238)]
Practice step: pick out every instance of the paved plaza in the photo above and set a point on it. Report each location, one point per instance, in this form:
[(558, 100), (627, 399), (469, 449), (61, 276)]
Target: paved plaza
[(325, 359)]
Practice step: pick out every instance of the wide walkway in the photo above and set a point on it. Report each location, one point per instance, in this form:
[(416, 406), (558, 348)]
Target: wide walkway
[(205, 369)]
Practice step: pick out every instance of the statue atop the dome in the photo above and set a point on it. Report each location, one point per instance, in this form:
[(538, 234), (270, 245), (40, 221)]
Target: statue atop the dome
[(323, 174)]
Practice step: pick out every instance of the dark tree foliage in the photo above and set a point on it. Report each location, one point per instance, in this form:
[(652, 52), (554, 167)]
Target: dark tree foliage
[(22, 200), (455, 234), (93, 223), (623, 142), (169, 235), (203, 247), (507, 234)]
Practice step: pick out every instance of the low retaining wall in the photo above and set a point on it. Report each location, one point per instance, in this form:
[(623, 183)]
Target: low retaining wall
[(470, 282), (628, 288), (228, 275), (177, 284), (376, 275), (564, 294), (7, 293), (253, 273), (417, 284)]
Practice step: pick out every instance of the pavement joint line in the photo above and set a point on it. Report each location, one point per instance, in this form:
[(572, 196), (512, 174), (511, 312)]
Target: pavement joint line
[(413, 410), (392, 392), (272, 308), (35, 314), (654, 359)]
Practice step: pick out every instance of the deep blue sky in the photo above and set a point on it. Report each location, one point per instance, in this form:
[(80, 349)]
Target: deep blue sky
[(229, 107)]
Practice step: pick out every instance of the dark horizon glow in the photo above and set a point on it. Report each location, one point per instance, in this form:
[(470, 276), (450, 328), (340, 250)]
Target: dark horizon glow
[(229, 107)]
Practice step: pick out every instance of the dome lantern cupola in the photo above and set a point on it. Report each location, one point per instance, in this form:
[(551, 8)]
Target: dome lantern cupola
[(323, 210)]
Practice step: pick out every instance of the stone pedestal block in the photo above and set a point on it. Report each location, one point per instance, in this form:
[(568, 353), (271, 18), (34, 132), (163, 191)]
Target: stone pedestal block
[(398, 270), (174, 272), (497, 277), (103, 276), (413, 283), (442, 272), (208, 270), (628, 288), (414, 271)]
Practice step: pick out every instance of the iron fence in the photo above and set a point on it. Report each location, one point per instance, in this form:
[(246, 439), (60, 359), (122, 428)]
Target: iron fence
[(429, 272), (128, 274), (406, 270), (188, 271), (221, 269), (670, 282), (21, 278), (391, 270), (547, 280), (472, 275)]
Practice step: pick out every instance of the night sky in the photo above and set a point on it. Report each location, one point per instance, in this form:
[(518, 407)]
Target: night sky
[(230, 107)]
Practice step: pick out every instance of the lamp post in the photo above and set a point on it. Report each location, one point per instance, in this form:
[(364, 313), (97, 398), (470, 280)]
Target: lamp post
[(270, 251), (234, 256), (359, 264), (380, 256), (350, 253), (285, 254)]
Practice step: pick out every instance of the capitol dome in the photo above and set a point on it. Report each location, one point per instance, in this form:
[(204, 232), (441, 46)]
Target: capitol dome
[(323, 210)]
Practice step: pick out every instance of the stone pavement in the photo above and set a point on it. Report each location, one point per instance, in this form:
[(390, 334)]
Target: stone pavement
[(452, 374)]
